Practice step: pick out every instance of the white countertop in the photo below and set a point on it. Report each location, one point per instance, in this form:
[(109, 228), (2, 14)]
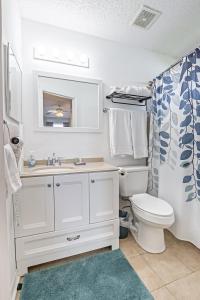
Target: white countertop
[(69, 168)]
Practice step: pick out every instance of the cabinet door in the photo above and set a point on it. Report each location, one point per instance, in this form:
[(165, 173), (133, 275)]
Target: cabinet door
[(71, 200), (34, 206), (104, 196)]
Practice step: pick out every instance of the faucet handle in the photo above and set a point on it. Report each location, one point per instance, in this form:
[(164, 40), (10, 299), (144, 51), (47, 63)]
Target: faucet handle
[(48, 161), (60, 160)]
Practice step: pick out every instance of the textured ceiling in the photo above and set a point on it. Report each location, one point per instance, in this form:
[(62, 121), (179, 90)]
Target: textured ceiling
[(176, 31)]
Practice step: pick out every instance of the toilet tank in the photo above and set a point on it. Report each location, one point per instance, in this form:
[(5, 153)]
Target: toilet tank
[(133, 180)]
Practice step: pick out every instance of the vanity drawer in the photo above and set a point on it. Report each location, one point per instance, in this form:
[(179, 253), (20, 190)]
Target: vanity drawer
[(45, 247)]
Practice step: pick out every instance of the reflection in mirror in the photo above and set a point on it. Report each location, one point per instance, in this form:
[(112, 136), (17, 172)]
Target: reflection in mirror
[(68, 102), (13, 85), (58, 110)]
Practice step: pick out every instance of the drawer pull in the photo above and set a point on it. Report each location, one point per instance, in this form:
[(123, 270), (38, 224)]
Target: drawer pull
[(92, 180), (73, 238), (57, 184), (49, 185)]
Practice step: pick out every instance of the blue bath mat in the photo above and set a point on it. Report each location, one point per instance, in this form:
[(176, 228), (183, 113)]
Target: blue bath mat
[(106, 276)]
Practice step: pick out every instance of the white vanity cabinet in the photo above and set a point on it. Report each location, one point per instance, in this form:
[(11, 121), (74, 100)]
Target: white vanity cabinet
[(34, 207), (62, 215), (71, 200), (103, 195)]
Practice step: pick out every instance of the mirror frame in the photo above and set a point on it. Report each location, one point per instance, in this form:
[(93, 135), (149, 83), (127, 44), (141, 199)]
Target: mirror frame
[(39, 113), (7, 49)]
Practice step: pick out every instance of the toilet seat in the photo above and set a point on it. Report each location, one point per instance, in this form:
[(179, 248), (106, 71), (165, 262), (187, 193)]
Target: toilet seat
[(152, 209), (152, 204)]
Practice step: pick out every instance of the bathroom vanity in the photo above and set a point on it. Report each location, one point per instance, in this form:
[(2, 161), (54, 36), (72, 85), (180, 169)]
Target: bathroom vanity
[(65, 211)]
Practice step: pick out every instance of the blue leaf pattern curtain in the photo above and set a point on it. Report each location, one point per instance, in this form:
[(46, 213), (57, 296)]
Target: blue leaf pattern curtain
[(174, 148)]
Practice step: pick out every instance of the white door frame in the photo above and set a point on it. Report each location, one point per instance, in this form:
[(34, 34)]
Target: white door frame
[(4, 251)]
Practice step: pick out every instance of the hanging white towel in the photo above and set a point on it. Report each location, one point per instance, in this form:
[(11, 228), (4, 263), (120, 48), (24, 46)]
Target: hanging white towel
[(139, 133), (120, 132), (17, 149), (11, 171)]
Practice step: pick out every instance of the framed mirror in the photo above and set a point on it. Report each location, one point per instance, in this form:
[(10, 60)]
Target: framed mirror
[(68, 103), (13, 85)]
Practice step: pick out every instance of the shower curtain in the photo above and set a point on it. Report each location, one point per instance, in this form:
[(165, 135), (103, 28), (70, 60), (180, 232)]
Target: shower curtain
[(174, 147)]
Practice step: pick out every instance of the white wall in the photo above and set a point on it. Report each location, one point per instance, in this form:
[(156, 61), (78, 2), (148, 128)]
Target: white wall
[(4, 257), (12, 26), (113, 63), (11, 23)]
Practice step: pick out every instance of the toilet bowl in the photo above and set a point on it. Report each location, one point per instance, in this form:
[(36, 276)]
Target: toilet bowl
[(151, 215)]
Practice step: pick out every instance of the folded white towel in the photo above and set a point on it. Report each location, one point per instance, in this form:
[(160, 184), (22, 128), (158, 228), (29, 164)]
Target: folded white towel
[(133, 90), (139, 133), (144, 91), (117, 89), (12, 177), (120, 132), (139, 91), (113, 89)]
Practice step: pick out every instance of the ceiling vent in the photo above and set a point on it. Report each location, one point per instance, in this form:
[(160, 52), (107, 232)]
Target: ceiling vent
[(146, 17)]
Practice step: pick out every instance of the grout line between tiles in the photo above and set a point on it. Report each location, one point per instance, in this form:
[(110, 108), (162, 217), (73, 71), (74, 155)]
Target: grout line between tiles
[(181, 277), (165, 284)]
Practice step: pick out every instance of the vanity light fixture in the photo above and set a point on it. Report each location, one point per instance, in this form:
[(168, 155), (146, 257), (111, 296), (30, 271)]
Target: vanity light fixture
[(68, 57)]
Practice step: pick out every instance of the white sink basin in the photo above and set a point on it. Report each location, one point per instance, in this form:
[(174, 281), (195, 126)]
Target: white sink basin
[(52, 169)]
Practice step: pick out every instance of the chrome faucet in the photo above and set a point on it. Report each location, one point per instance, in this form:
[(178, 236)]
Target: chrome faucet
[(60, 160), (54, 160)]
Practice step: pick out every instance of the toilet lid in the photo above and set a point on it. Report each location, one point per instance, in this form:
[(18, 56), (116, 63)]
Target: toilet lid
[(152, 204)]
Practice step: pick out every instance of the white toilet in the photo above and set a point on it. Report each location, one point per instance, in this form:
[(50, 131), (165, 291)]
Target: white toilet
[(151, 214)]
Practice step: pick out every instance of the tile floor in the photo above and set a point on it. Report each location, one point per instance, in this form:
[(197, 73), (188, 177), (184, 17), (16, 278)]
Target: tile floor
[(173, 274)]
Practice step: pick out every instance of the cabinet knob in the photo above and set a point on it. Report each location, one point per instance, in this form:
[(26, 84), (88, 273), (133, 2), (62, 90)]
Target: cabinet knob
[(73, 238), (49, 185), (57, 184), (92, 180)]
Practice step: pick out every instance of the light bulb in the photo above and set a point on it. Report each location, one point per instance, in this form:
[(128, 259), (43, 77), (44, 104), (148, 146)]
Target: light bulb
[(83, 58), (55, 53), (70, 56), (40, 50), (59, 114)]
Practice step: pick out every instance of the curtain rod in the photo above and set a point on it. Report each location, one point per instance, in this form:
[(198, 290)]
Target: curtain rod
[(177, 62)]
